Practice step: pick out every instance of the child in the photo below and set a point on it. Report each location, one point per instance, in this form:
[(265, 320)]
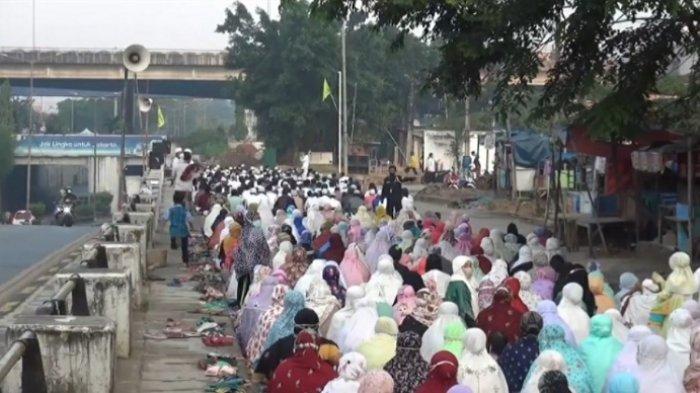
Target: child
[(180, 220)]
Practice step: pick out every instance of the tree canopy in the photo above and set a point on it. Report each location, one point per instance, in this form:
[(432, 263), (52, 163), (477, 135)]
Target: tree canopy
[(285, 62), (624, 46)]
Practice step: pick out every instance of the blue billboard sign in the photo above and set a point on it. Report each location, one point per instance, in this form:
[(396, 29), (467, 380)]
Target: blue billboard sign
[(83, 145)]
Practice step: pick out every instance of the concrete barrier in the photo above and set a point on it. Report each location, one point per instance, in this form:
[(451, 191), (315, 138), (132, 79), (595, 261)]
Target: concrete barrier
[(126, 257), (78, 353), (147, 219), (130, 233), (144, 207), (108, 294)]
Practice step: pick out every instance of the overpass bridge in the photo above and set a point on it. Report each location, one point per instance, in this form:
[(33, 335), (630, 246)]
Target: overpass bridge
[(201, 74)]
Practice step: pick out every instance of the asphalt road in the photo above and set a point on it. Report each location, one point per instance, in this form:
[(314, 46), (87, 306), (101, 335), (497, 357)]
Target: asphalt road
[(23, 246)]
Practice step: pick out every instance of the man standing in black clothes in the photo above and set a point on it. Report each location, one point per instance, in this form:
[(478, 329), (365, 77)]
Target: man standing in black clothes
[(391, 192)]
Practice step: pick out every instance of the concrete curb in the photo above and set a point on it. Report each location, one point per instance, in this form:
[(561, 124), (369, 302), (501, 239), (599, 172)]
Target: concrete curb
[(30, 274)]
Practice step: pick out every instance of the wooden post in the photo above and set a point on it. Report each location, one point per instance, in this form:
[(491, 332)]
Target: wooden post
[(691, 182)]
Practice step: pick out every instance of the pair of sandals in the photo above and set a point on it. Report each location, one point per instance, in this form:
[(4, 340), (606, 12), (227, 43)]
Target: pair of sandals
[(217, 340)]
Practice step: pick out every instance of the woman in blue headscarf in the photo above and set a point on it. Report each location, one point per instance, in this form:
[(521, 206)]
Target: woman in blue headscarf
[(623, 383), (284, 326), (552, 338), (600, 349)]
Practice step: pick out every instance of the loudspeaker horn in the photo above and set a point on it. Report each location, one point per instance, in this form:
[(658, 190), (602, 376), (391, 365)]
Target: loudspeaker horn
[(145, 104), (136, 58)]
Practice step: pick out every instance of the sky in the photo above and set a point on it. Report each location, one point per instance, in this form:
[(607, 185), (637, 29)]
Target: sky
[(115, 24)]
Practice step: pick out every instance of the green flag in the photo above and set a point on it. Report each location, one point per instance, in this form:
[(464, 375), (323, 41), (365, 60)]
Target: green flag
[(326, 90), (161, 118)]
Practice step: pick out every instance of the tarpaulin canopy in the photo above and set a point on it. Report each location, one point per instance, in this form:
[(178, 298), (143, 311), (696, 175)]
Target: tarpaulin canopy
[(530, 148)]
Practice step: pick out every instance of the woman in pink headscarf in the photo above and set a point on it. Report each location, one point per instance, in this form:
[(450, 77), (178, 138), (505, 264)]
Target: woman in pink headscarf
[(353, 267), (355, 231)]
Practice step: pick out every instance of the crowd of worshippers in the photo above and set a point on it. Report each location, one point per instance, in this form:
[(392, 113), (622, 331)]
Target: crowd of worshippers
[(333, 294)]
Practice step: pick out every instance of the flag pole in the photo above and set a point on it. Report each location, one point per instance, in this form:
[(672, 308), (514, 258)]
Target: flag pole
[(340, 121)]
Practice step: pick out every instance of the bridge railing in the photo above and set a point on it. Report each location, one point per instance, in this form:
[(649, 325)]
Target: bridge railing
[(75, 287), (26, 349)]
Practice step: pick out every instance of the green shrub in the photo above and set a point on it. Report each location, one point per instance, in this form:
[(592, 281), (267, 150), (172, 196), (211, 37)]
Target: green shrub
[(82, 211), (38, 209), (103, 202)]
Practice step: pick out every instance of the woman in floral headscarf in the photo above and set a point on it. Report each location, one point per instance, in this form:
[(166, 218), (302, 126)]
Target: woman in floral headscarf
[(491, 281), (267, 319), (253, 251), (516, 359), (463, 233), (378, 381), (331, 274), (407, 368), (295, 266), (284, 325), (552, 338)]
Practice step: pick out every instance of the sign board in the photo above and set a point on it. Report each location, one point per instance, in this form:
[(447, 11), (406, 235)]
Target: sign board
[(490, 141), (321, 158), (82, 145), (439, 142)]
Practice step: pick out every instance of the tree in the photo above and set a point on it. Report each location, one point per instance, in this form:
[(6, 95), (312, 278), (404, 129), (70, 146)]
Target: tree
[(7, 128), (626, 46), (285, 62)]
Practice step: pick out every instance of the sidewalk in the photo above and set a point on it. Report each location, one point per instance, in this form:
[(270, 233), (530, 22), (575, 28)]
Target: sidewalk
[(167, 365)]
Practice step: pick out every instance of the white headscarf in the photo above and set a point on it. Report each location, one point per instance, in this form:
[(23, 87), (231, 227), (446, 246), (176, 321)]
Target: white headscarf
[(477, 369), (385, 283), (285, 249), (360, 326), (570, 311), (655, 375), (473, 286), (315, 271), (498, 273), (530, 298), (340, 318), (640, 304), (210, 218), (351, 367), (434, 337), (226, 231), (678, 340), (626, 361), (321, 300), (548, 360), (440, 278), (619, 331), (265, 212)]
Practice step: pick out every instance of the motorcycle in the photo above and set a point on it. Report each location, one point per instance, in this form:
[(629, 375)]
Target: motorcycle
[(63, 215)]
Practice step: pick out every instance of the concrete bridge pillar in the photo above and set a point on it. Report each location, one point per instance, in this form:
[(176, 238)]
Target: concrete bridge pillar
[(131, 233), (108, 295), (126, 257), (78, 353), (147, 219)]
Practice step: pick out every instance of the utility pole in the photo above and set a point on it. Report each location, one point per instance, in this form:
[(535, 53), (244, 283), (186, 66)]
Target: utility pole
[(340, 121), (31, 109), (345, 99)]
